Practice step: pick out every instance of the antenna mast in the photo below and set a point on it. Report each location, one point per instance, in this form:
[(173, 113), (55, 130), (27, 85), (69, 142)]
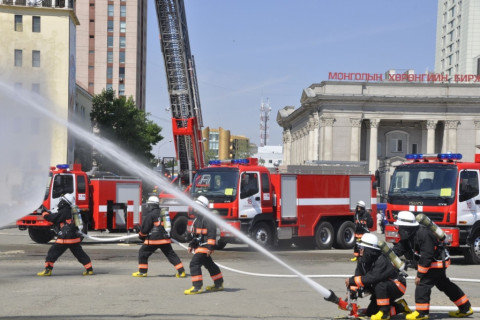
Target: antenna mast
[(264, 117)]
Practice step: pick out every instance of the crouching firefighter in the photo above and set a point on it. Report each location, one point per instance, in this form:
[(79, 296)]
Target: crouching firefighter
[(363, 221), (155, 235), (68, 235), (204, 232), (375, 274)]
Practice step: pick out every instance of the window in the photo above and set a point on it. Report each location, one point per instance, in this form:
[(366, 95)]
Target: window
[(109, 56), (110, 10), (123, 11), (478, 66), (35, 24), (110, 41), (18, 23), (18, 58), (109, 72), (122, 42), (414, 148), (121, 73), (121, 89), (123, 26), (91, 51), (122, 56), (110, 26), (35, 58), (109, 86)]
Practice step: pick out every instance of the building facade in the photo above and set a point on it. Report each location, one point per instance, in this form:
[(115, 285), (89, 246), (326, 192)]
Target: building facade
[(458, 30), (111, 47), (380, 122), (220, 144)]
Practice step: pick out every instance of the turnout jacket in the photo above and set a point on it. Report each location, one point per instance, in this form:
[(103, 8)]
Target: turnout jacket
[(204, 232), (152, 230), (63, 222), (363, 221), (426, 249)]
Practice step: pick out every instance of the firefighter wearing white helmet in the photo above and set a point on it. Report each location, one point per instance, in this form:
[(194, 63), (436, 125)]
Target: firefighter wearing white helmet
[(204, 237), (68, 236), (377, 275), (432, 259), (154, 235), (363, 221)]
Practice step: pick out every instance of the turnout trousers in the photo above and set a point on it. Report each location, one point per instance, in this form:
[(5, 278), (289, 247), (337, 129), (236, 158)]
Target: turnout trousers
[(147, 250), (199, 260), (56, 250), (383, 299)]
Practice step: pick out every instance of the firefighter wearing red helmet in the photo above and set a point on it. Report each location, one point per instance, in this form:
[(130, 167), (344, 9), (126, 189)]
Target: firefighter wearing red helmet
[(68, 236), (376, 274), (432, 259), (363, 221), (204, 232), (154, 236)]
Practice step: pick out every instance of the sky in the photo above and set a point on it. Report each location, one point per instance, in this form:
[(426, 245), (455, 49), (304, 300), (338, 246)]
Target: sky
[(247, 51)]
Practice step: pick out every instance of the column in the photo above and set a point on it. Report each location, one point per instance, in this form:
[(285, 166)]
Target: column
[(477, 133), (311, 139), (372, 158), (431, 125), (316, 141), (355, 139), (328, 139), (451, 133), (287, 144)]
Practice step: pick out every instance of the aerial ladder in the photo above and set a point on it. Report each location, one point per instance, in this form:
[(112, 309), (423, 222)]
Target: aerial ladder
[(184, 105)]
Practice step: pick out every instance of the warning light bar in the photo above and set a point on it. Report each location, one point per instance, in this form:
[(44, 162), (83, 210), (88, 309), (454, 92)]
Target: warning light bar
[(233, 161), (63, 166), (434, 156)]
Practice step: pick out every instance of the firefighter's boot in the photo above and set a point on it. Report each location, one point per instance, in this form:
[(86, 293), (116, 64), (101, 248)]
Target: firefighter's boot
[(139, 274), (193, 290), (45, 273), (181, 274), (380, 315), (461, 313), (215, 287), (417, 315), (88, 273), (354, 259), (402, 307)]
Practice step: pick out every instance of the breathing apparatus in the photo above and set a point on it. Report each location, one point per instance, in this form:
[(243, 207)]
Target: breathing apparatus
[(167, 225), (77, 217), (425, 221), (394, 259)]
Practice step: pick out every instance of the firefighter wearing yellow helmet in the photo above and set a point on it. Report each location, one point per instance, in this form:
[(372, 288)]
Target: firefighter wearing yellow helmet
[(363, 222)]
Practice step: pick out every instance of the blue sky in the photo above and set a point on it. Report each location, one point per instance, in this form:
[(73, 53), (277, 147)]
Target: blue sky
[(246, 50)]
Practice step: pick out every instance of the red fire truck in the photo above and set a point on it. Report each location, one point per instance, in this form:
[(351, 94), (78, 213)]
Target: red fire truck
[(447, 191), (107, 203), (308, 208)]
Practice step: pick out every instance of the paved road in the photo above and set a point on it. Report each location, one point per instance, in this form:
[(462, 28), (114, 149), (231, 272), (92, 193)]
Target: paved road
[(112, 293)]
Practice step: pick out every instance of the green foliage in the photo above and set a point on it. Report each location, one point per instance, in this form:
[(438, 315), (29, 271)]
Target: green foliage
[(119, 120)]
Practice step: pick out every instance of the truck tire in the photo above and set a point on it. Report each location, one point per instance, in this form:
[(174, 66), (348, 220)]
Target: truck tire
[(179, 229), (262, 234), (345, 238), (324, 235), (41, 235), (472, 253)]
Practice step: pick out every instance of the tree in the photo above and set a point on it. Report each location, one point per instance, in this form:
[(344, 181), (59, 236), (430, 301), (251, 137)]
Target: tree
[(118, 120)]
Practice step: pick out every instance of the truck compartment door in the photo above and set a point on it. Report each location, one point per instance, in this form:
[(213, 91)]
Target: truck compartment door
[(361, 189), (127, 192), (288, 197)]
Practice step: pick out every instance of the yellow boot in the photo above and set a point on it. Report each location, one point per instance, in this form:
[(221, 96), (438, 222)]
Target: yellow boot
[(460, 314), (380, 316), (417, 316), (139, 274), (354, 259), (181, 275), (193, 290), (45, 273)]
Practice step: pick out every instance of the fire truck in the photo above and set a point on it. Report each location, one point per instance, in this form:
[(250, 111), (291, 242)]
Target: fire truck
[(106, 203), (447, 191), (269, 207)]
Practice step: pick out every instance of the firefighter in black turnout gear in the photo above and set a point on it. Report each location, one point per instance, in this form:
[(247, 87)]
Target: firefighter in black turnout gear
[(432, 259), (68, 236), (155, 237), (363, 221), (376, 274), (204, 232)]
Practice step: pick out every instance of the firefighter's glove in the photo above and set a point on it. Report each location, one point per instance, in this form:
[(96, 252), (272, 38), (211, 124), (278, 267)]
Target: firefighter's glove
[(136, 228), (142, 237)]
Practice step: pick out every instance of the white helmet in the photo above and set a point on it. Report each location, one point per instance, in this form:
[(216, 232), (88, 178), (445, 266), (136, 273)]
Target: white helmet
[(153, 199), (406, 218), (69, 198), (369, 240), (361, 204), (202, 200)]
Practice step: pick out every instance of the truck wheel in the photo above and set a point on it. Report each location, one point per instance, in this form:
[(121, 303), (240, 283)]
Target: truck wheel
[(472, 253), (324, 235), (262, 234), (41, 235), (179, 229), (346, 235)]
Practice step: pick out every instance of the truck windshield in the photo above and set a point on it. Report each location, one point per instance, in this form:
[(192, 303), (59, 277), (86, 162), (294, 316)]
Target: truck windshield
[(436, 182), (62, 184), (218, 185)]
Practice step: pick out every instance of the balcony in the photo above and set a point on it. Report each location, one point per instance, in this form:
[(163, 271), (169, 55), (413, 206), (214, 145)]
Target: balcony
[(67, 4)]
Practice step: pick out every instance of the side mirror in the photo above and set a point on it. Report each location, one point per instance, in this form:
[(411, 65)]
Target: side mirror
[(377, 177)]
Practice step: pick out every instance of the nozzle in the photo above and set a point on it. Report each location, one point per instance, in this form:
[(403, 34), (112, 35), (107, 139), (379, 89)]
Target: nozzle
[(338, 301)]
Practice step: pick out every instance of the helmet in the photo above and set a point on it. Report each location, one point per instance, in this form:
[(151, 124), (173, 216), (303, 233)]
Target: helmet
[(369, 240), (406, 218), (202, 201), (361, 204), (153, 199), (69, 198)]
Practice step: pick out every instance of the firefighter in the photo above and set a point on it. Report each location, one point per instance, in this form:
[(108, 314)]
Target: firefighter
[(154, 236), (68, 236), (376, 274), (431, 259), (204, 232), (363, 221)]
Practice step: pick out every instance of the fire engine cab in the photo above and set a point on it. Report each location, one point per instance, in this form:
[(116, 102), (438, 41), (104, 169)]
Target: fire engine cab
[(447, 191), (106, 203), (308, 208)]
